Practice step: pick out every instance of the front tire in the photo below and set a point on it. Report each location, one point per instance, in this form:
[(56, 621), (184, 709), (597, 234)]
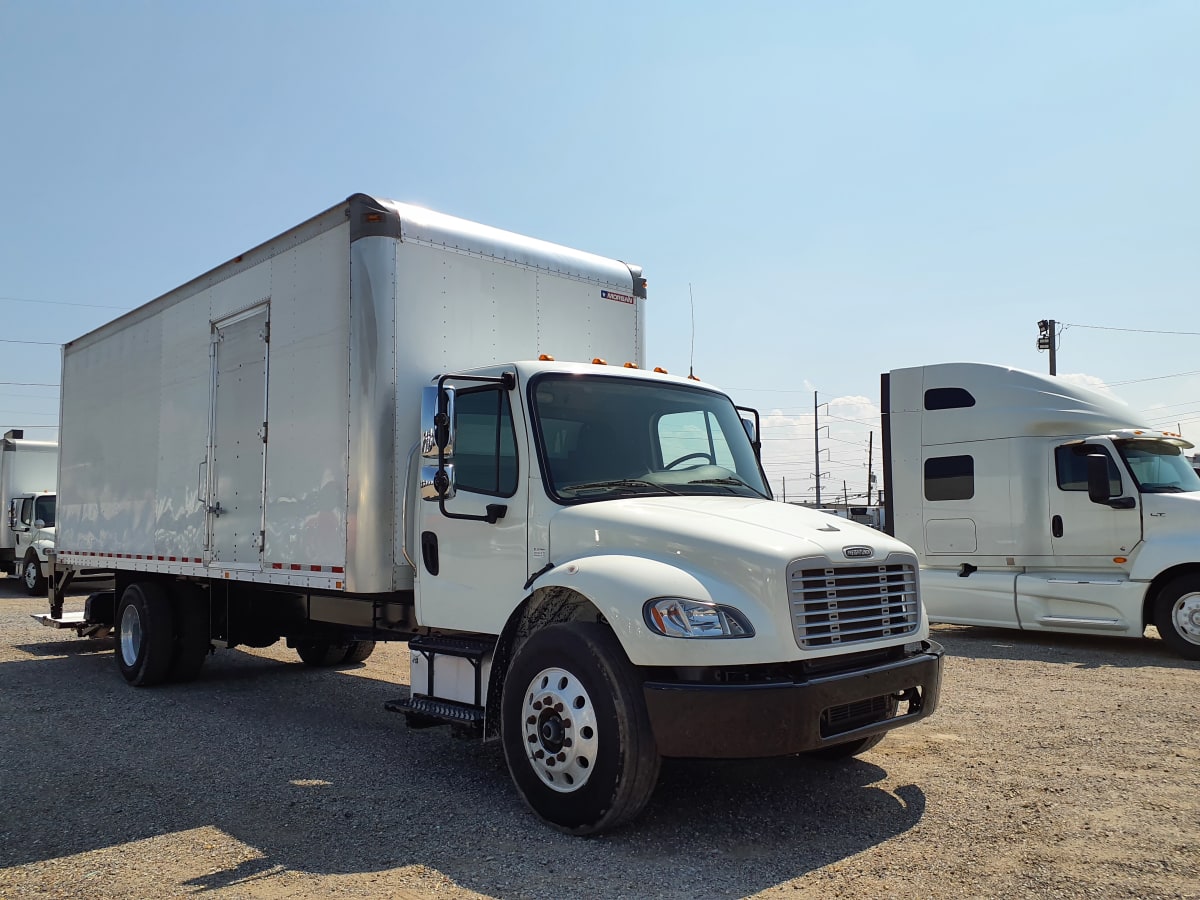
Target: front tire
[(145, 634), (31, 575), (1177, 616), (575, 730)]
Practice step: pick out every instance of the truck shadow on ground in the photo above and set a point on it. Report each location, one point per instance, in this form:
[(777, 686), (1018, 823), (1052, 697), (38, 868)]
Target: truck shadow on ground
[(1082, 651), (306, 768)]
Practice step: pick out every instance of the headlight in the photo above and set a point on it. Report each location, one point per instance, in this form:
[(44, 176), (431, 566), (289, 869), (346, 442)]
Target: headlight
[(676, 617)]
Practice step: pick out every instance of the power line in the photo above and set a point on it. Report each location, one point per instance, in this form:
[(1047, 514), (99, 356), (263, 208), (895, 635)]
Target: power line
[(44, 343), (62, 303), (1156, 377), (1137, 330)]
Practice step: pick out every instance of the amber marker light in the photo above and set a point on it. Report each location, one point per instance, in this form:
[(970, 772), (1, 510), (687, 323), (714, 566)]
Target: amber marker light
[(1119, 560), (630, 365), (599, 362), (545, 357), (661, 371)]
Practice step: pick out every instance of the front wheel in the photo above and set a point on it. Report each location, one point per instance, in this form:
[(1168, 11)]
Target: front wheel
[(575, 730), (31, 575), (1177, 616)]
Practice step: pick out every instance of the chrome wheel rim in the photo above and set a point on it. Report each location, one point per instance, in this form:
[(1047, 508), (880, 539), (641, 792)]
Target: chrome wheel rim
[(559, 724), (31, 574), (131, 635), (1185, 616)]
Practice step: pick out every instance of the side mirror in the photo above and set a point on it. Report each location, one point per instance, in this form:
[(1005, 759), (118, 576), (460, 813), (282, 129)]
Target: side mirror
[(437, 443), (39, 523), (751, 432), (1099, 489)]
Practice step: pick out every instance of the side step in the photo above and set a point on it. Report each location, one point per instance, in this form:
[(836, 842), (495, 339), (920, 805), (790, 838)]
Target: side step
[(464, 719), (76, 621)]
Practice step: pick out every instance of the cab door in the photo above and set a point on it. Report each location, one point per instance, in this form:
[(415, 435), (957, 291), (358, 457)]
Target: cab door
[(1082, 532), (471, 572)]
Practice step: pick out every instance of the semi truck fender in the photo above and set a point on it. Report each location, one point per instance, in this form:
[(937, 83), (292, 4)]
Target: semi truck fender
[(1163, 554), (619, 587)]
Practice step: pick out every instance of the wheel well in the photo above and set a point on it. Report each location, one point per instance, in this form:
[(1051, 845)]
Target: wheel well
[(1160, 581), (548, 606)]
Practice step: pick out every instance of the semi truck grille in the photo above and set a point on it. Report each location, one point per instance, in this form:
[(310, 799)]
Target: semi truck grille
[(837, 605)]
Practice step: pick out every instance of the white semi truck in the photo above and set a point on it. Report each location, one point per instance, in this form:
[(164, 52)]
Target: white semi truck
[(362, 430), (1036, 504), (28, 474)]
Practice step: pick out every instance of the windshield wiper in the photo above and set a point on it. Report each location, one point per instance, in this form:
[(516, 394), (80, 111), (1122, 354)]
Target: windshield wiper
[(618, 483), (729, 481)]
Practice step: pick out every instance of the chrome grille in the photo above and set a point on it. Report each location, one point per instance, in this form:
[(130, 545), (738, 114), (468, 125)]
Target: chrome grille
[(836, 605)]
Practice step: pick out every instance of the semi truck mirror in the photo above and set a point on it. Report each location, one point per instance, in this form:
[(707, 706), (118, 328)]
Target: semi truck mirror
[(437, 483), (437, 422), (1099, 490)]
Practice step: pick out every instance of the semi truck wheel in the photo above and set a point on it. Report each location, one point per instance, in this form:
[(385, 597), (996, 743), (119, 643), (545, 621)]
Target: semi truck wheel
[(357, 651), (575, 730), (31, 575), (145, 634), (193, 640), (1177, 616), (320, 653)]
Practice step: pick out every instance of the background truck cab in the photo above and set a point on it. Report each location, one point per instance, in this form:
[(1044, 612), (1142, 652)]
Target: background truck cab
[(28, 476), (1036, 504)]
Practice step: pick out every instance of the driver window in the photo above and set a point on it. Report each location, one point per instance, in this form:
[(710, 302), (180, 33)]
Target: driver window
[(1070, 466), (27, 512), (695, 434), (485, 447)]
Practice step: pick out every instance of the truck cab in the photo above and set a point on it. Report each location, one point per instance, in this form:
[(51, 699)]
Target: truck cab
[(31, 522), (1040, 505)]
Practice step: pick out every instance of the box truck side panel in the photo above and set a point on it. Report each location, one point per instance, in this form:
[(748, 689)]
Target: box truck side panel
[(181, 467), (308, 403), (112, 395)]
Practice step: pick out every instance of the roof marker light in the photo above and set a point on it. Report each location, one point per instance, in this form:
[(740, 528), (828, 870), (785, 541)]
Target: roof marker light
[(661, 371), (599, 362), (630, 365), (545, 357)]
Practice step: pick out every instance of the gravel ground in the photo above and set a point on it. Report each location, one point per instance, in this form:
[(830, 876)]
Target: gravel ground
[(1056, 767)]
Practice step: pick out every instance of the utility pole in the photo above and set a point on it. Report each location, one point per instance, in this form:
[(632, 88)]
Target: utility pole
[(1046, 341), (870, 459), (817, 447)]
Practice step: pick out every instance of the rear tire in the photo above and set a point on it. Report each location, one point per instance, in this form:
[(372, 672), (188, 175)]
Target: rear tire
[(31, 575), (145, 633), (193, 640), (320, 653), (1177, 616), (358, 651), (575, 730)]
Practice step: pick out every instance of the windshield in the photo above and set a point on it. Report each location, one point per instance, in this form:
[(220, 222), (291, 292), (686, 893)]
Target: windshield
[(604, 437), (44, 510), (1159, 467)]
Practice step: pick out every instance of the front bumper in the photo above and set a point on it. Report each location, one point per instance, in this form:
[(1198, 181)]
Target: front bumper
[(731, 721)]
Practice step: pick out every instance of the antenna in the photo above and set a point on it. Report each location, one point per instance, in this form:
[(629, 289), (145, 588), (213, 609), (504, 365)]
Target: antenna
[(692, 349)]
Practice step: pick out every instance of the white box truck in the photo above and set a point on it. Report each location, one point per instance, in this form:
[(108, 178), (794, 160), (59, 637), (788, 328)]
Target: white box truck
[(358, 431), (1037, 504), (28, 476)]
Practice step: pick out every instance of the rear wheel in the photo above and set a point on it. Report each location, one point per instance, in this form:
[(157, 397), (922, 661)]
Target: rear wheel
[(31, 575), (357, 651), (321, 653), (1177, 616), (192, 637), (575, 730), (145, 634)]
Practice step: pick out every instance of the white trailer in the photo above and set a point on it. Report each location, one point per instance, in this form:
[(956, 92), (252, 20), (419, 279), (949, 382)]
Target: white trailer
[(28, 476), (358, 431), (1036, 504)]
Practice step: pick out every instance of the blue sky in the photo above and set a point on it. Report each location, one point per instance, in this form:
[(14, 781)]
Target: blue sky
[(846, 188)]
